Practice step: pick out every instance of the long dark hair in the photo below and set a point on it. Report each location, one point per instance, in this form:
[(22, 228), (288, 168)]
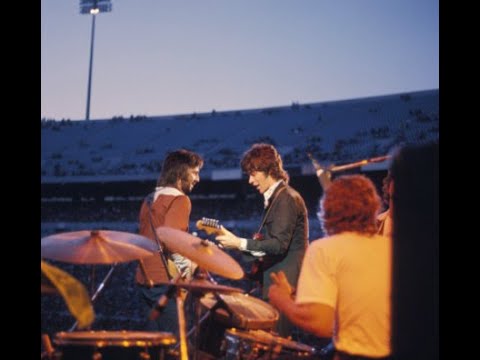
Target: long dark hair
[(176, 164), (264, 157)]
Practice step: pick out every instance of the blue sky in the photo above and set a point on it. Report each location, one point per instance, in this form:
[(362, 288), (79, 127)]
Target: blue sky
[(161, 57)]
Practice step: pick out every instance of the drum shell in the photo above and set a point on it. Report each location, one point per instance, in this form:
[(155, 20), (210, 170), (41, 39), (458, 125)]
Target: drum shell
[(258, 344), (237, 310), (113, 345), (242, 311)]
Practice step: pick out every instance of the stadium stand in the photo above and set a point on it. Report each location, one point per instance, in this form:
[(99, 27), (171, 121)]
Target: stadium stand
[(94, 174)]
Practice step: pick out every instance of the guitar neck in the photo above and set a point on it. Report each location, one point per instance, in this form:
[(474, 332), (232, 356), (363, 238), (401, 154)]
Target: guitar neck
[(210, 226)]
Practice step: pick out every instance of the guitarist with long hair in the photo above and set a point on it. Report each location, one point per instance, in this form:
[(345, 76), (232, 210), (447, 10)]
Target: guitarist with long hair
[(168, 205), (283, 235)]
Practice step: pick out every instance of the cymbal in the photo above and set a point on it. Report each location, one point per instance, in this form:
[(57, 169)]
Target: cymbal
[(96, 247), (201, 285), (57, 281), (206, 254)]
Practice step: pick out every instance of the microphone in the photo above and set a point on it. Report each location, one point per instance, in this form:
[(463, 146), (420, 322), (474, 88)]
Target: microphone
[(162, 302), (163, 299), (324, 175)]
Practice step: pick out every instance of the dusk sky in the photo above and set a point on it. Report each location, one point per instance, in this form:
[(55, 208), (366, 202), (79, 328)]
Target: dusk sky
[(162, 57)]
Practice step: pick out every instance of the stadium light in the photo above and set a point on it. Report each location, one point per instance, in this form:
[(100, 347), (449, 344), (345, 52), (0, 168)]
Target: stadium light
[(93, 7)]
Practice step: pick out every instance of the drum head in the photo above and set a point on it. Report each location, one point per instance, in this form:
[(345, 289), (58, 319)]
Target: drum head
[(247, 312), (265, 338), (114, 338)]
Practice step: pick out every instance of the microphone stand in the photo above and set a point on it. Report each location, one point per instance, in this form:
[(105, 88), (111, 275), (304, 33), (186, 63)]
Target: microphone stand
[(324, 174), (97, 292), (182, 325), (359, 163)]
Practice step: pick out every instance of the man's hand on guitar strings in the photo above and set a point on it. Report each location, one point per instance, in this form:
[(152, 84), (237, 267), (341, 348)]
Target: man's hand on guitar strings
[(228, 239)]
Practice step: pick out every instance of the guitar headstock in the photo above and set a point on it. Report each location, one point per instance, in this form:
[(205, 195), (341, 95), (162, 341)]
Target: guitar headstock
[(210, 226)]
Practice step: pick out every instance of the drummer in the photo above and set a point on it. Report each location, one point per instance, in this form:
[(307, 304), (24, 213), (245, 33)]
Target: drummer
[(344, 285), (168, 205)]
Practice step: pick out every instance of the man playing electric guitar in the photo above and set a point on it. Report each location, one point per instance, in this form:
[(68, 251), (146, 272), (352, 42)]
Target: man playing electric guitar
[(284, 226), (213, 227), (168, 205)]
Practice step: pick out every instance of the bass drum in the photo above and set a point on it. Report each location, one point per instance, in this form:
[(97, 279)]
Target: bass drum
[(258, 344), (232, 311), (113, 345)]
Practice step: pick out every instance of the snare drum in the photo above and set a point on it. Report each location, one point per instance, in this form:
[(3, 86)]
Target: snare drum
[(258, 344), (237, 310), (113, 345), (247, 312)]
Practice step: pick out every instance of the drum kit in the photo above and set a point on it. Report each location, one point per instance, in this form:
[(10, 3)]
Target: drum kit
[(229, 324)]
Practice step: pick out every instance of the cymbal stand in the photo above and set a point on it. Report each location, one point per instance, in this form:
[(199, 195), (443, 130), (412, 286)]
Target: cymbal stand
[(202, 319), (97, 292), (201, 275), (182, 325), (198, 311), (47, 344), (198, 321)]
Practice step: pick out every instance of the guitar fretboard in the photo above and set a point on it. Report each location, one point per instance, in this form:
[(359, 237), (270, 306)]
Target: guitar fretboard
[(211, 222)]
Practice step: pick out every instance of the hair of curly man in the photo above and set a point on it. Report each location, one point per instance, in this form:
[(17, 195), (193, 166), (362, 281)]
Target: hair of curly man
[(351, 203)]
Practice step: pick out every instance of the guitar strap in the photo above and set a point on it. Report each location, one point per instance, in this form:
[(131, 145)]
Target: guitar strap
[(258, 264), (269, 207), (149, 200)]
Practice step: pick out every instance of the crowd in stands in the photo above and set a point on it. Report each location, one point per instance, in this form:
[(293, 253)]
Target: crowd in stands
[(356, 129), (239, 212), (90, 211), (337, 132), (116, 307)]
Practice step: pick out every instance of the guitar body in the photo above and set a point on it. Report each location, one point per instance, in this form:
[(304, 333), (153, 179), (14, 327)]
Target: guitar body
[(256, 270)]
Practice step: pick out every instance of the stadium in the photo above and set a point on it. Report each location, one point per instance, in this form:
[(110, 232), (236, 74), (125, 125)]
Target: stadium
[(95, 174)]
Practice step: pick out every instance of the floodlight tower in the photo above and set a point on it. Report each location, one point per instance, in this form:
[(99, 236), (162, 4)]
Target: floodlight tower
[(93, 7)]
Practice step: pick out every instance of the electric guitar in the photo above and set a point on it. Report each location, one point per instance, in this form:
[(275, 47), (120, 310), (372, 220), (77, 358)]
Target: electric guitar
[(210, 226), (213, 226)]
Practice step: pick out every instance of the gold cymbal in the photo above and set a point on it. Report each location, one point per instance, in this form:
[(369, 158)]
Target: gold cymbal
[(57, 281), (96, 247), (206, 254)]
